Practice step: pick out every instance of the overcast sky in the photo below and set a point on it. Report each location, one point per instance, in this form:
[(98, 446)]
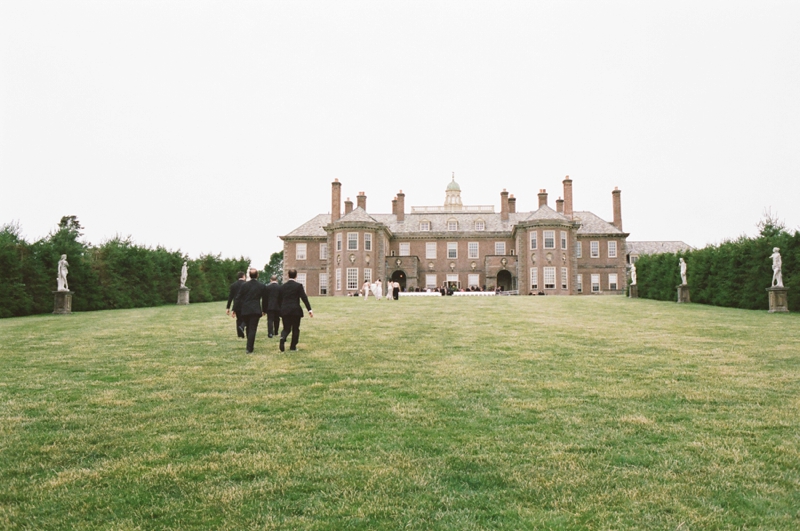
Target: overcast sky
[(215, 127)]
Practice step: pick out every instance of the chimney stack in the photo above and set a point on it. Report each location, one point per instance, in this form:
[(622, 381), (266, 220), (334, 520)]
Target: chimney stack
[(401, 206), (394, 206), (504, 205), (336, 200), (512, 204), (560, 205), (362, 201), (348, 206), (617, 207), (568, 197), (542, 198)]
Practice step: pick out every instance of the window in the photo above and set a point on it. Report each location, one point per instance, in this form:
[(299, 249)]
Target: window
[(452, 224), (480, 225), (339, 241), (578, 249), (338, 279), (430, 281), (368, 275), (595, 283), (473, 280), (452, 249), (534, 278), (367, 241), (472, 250), (352, 241), (549, 239), (594, 249), (534, 240), (323, 251), (300, 251), (405, 249), (633, 259), (452, 278), (301, 279), (549, 277), (352, 278), (499, 247), (564, 276), (430, 250), (425, 226), (612, 281), (563, 239), (612, 249), (579, 283), (323, 283)]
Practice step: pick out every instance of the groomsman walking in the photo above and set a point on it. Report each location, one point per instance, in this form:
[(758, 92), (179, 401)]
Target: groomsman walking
[(289, 297)]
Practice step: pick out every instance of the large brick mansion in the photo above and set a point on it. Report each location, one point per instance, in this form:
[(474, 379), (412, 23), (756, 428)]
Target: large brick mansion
[(556, 252)]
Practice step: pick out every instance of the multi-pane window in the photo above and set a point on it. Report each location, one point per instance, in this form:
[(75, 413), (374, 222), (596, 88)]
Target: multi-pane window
[(563, 239), (594, 249), (473, 280), (595, 283), (612, 281), (549, 277), (452, 277), (430, 250), (499, 247), (323, 251), (339, 241), (579, 249), (452, 249), (472, 250), (352, 241), (368, 275), (405, 249), (338, 279), (452, 224), (534, 278), (534, 240), (549, 239), (425, 226), (300, 251), (564, 276), (367, 241), (352, 278), (579, 283), (430, 281), (612, 249), (480, 225), (323, 283), (301, 279)]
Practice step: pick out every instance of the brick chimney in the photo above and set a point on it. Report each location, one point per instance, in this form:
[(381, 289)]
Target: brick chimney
[(560, 205), (336, 200), (401, 206), (542, 197), (362, 200), (568, 197), (394, 205), (617, 208), (504, 205), (512, 204), (348, 206)]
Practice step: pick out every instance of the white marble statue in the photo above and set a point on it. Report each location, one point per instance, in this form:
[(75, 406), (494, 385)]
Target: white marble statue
[(777, 276), (63, 270), (184, 274), (683, 272), (633, 274)]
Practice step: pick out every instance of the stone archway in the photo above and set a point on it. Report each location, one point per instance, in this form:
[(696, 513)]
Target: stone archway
[(504, 280), (399, 276)]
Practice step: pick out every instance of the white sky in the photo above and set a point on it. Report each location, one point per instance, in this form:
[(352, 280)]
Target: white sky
[(214, 127)]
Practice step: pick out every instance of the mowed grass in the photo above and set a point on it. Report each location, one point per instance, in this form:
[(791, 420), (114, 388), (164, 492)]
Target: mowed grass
[(454, 413)]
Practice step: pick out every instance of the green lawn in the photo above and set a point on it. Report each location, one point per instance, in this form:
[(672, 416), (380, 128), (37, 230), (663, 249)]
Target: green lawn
[(455, 413)]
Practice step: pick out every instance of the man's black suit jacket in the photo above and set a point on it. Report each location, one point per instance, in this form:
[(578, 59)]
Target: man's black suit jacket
[(289, 297), (232, 294), (250, 297), (272, 297)]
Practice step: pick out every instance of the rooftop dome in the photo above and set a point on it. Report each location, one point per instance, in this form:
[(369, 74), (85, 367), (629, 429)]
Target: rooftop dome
[(453, 185)]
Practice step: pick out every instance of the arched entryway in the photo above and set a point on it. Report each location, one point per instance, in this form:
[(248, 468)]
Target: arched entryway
[(400, 277), (504, 280)]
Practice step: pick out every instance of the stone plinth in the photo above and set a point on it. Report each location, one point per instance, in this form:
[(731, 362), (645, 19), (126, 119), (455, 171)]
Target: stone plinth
[(683, 293), (183, 295), (62, 304), (778, 302), (633, 292)]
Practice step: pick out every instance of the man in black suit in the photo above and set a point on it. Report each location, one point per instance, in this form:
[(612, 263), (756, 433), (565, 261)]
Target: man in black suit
[(231, 296), (289, 297), (273, 308), (252, 301)]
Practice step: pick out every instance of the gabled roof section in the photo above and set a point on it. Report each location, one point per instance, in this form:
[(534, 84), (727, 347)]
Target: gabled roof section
[(546, 213), (591, 224), (358, 214), (313, 228), (656, 247)]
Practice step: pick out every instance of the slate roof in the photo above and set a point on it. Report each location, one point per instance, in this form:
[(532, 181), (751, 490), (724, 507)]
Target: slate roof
[(311, 228), (640, 248), (591, 224), (545, 213)]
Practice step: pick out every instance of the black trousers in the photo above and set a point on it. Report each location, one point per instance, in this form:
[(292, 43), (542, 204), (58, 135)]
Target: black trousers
[(251, 323), (240, 324), (273, 322), (396, 293), (291, 324)]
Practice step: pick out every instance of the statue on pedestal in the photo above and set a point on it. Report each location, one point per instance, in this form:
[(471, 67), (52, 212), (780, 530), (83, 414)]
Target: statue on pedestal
[(63, 270), (683, 272), (633, 274), (777, 276), (184, 274)]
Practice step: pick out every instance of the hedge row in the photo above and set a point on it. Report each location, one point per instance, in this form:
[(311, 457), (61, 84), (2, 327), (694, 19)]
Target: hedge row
[(116, 274)]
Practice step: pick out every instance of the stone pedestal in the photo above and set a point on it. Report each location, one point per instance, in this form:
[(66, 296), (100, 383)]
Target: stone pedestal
[(683, 293), (633, 291), (183, 295), (62, 304), (777, 300)]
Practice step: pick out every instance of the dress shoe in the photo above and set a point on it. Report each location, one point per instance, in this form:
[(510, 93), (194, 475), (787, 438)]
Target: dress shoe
[(283, 342), (270, 335), (249, 351), (292, 348)]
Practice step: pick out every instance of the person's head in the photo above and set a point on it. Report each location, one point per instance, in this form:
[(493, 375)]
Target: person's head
[(253, 273), (293, 273), (273, 278), (776, 249), (240, 275)]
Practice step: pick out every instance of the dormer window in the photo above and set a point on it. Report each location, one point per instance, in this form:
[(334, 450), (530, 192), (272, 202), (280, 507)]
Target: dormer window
[(480, 225), (452, 224), (424, 226)]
